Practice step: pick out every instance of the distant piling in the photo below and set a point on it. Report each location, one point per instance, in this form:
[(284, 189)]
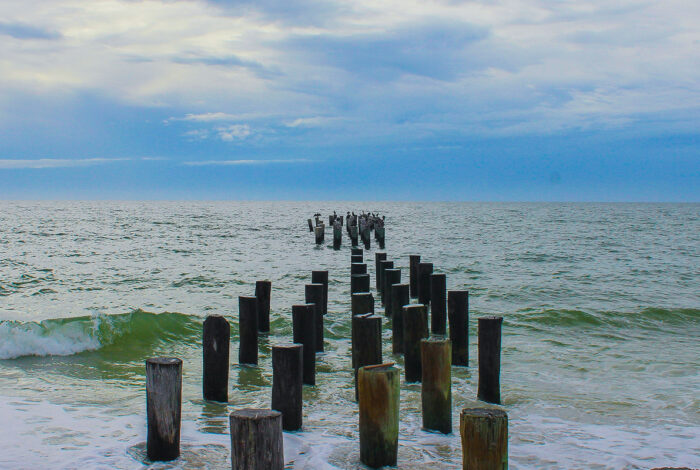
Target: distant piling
[(438, 304), (458, 313), (216, 338), (424, 272), (399, 298), (356, 259), (248, 330), (378, 387), (163, 408), (319, 232), (391, 277), (436, 384), (262, 292), (256, 439), (304, 333), (311, 225), (484, 433), (490, 359), (353, 235), (414, 260), (359, 283), (367, 332), (287, 373), (313, 294), (337, 237), (358, 268), (378, 258), (379, 231), (383, 266), (415, 328), (356, 251), (367, 239), (321, 277)]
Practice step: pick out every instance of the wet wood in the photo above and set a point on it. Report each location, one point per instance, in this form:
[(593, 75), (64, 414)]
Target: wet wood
[(391, 277), (321, 277), (216, 340), (311, 225), (359, 283), (399, 298), (438, 304), (304, 333), (378, 257), (163, 408), (262, 292), (313, 294), (248, 330), (484, 433), (319, 232), (337, 237), (358, 268), (458, 314), (256, 439), (436, 384), (414, 260), (415, 328), (287, 373), (424, 272), (383, 266), (490, 359), (356, 259), (367, 344), (378, 388)]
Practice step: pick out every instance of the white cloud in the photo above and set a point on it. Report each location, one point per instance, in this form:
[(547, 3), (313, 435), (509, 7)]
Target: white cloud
[(15, 164), (317, 121), (233, 132), (245, 162)]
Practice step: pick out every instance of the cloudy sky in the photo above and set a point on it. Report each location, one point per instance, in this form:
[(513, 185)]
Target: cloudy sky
[(381, 99)]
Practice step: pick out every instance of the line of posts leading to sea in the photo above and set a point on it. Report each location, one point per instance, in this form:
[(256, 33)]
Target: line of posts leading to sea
[(358, 227), (419, 333)]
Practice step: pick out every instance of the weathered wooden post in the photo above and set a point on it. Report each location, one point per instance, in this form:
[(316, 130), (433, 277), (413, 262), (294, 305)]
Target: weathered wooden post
[(383, 266), (304, 333), (399, 298), (490, 359), (216, 338), (356, 251), (163, 407), (391, 277), (458, 312), (378, 387), (314, 295), (362, 302), (356, 259), (438, 304), (321, 277), (353, 235), (359, 283), (262, 292), (311, 225), (424, 272), (248, 330), (436, 384), (319, 232), (358, 268), (367, 332), (337, 237), (331, 219), (256, 440), (379, 232), (484, 434), (287, 372), (415, 328), (367, 239), (378, 258), (414, 260)]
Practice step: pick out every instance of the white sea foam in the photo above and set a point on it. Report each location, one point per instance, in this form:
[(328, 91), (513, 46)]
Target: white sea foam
[(49, 338)]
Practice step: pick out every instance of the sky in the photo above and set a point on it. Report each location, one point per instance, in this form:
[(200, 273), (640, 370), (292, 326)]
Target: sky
[(501, 100)]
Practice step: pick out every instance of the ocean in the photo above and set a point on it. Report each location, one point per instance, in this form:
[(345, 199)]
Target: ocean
[(601, 305)]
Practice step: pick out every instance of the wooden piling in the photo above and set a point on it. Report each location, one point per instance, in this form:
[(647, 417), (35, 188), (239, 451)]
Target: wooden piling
[(248, 330), (484, 433), (458, 313), (163, 407), (378, 258), (391, 277), (319, 232), (424, 272), (399, 298), (367, 334), (313, 294), (358, 268), (287, 373), (367, 239), (414, 260), (356, 259), (383, 266), (216, 339), (359, 283), (262, 292), (438, 304), (378, 387), (362, 302), (311, 225), (337, 237), (321, 277), (415, 328), (304, 333), (353, 235), (490, 359), (379, 232), (256, 440), (356, 251), (436, 384)]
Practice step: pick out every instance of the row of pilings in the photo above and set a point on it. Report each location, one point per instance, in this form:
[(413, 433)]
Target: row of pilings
[(358, 228), (419, 313)]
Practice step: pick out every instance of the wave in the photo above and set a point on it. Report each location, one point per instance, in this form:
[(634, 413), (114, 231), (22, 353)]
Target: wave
[(67, 336), (650, 318)]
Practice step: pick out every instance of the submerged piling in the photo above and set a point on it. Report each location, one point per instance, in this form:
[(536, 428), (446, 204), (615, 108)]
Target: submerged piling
[(248, 330), (256, 440), (458, 313), (436, 384), (287, 373), (313, 294), (378, 387), (367, 347), (163, 407), (304, 333), (262, 292), (490, 359), (414, 260), (484, 433), (424, 272), (399, 298), (415, 328), (216, 338), (438, 304)]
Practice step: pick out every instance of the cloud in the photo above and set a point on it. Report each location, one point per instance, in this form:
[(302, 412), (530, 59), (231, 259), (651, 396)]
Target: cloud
[(25, 31), (316, 121), (229, 61), (233, 132), (206, 117), (41, 163), (245, 162)]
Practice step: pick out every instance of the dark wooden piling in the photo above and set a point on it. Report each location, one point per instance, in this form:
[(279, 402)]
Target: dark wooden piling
[(383, 266), (356, 259), (414, 260), (353, 235), (337, 237), (359, 283), (378, 258), (362, 302), (490, 359), (311, 225), (287, 373), (399, 298), (248, 330), (356, 251), (304, 333), (391, 277), (438, 304), (484, 433), (424, 272), (314, 295), (379, 231), (321, 277), (367, 239), (256, 440), (367, 347), (319, 232), (262, 292), (358, 268), (458, 313), (415, 328), (163, 407), (378, 387), (436, 384), (216, 339)]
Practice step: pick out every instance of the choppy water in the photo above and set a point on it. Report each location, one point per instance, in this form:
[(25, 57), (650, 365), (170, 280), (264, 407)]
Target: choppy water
[(601, 358)]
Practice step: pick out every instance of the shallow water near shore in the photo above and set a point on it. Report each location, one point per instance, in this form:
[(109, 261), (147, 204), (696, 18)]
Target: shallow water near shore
[(601, 307)]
